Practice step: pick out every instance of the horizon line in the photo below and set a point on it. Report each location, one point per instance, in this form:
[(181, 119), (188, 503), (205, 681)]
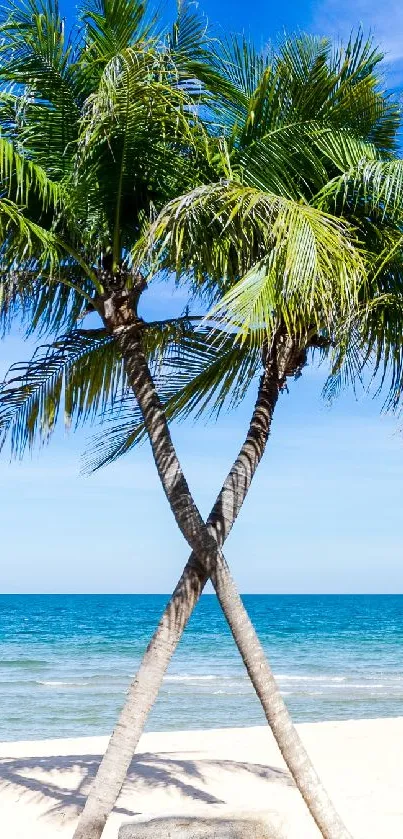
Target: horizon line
[(204, 594)]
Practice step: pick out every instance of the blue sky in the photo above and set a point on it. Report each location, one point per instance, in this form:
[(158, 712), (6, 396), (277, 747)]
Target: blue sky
[(324, 511)]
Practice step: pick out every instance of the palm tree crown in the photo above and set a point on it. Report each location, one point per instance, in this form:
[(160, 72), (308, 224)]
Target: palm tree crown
[(120, 147), (308, 152), (98, 130)]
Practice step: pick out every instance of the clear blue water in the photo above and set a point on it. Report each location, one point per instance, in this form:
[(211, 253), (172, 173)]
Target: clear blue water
[(66, 661)]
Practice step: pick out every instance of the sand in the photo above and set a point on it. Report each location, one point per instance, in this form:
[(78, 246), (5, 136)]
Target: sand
[(43, 783)]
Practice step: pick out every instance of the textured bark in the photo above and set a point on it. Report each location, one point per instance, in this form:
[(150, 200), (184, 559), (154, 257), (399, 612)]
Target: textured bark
[(206, 560), (140, 698), (144, 689), (275, 709)]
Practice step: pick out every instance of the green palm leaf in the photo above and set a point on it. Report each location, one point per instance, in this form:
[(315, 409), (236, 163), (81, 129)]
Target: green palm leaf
[(37, 56), (199, 374), (22, 177), (102, 131), (111, 26), (134, 132), (295, 263), (80, 371), (371, 186), (44, 299)]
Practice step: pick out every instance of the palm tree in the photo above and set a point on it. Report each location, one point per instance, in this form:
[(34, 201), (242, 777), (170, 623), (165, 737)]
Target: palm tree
[(276, 318), (72, 241)]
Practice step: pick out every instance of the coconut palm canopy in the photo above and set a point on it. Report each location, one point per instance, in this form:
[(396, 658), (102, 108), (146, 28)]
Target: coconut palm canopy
[(98, 131), (268, 183), (308, 128), (303, 129)]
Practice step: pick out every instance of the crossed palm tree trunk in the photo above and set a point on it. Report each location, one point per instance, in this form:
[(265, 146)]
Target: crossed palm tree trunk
[(207, 560)]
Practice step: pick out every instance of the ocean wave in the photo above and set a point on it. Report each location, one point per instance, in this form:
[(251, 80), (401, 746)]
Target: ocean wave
[(24, 663), (289, 678), (56, 684), (364, 685), (189, 678)]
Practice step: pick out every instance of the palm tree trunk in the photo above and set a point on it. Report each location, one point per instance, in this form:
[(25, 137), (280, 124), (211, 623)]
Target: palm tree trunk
[(205, 561), (145, 687)]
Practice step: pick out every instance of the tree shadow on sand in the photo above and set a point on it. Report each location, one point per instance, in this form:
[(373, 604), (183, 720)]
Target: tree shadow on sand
[(155, 771)]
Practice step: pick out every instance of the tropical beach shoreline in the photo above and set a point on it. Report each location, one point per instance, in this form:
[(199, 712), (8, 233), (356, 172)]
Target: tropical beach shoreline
[(67, 660), (43, 783)]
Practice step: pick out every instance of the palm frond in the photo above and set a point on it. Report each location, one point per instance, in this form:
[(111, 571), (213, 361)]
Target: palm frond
[(288, 260), (137, 141), (348, 360), (372, 185), (39, 58), (101, 134), (340, 86), (110, 27), (20, 177), (296, 159), (370, 348), (21, 238), (198, 375), (305, 80), (188, 36), (247, 99), (38, 279), (360, 92), (81, 372), (44, 299)]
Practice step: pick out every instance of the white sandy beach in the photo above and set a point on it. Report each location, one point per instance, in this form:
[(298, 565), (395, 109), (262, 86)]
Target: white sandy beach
[(43, 783)]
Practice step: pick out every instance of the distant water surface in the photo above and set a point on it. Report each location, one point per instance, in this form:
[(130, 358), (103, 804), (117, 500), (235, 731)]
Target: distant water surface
[(66, 661)]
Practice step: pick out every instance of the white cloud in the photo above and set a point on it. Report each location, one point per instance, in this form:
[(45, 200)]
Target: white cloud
[(384, 20)]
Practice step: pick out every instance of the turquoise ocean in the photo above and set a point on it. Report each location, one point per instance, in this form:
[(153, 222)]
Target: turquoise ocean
[(66, 661)]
